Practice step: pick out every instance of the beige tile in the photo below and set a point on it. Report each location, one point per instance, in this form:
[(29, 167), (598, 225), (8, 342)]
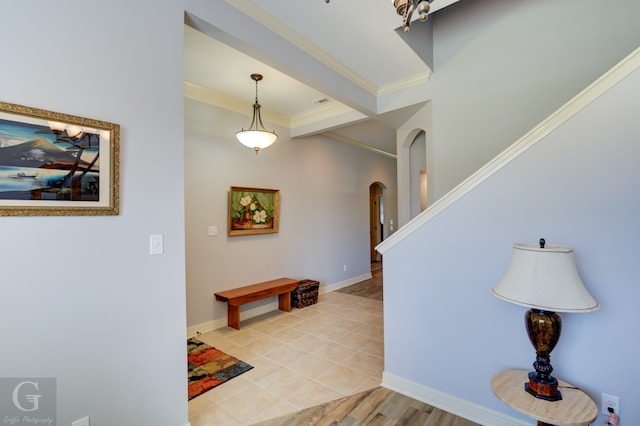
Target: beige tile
[(213, 415), (308, 342), (333, 351), (344, 323), (342, 379), (262, 367), (220, 332), (279, 409), (311, 365), (217, 341), (364, 362), (355, 341), (330, 332), (327, 316), (285, 354), (248, 404), (311, 327), (307, 314), (245, 336), (243, 353), (290, 333), (283, 382), (312, 394), (288, 320), (227, 389), (375, 348), (200, 403), (265, 344), (267, 327), (369, 383), (251, 322), (370, 331)]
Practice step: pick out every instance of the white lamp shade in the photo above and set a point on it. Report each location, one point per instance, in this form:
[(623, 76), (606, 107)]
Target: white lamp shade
[(256, 139), (544, 278)]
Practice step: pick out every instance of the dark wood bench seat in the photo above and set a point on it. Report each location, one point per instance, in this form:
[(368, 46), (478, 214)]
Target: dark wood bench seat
[(281, 287)]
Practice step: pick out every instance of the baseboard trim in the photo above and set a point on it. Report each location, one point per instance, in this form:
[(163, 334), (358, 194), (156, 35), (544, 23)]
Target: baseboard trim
[(337, 286), (205, 327), (460, 407)]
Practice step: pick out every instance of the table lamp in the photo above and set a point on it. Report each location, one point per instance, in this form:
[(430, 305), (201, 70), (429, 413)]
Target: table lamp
[(546, 280)]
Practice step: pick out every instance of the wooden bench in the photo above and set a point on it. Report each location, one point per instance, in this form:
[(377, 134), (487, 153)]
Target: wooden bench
[(282, 287)]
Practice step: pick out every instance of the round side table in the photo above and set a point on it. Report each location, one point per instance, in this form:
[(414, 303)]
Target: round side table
[(575, 408)]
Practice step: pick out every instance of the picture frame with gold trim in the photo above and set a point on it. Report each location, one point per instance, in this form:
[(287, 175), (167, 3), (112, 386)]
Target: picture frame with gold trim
[(55, 164)]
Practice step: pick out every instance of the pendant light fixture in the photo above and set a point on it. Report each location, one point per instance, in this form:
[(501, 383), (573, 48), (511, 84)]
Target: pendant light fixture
[(256, 136), (406, 8)]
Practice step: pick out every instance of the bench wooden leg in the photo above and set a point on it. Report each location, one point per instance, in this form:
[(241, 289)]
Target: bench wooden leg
[(284, 302), (233, 316)]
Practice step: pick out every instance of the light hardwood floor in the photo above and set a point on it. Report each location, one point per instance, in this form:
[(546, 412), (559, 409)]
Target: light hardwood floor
[(371, 288), (378, 406)]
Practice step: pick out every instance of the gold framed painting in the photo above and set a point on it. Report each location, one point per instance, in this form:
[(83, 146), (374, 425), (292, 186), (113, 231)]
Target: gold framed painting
[(253, 211), (55, 164)]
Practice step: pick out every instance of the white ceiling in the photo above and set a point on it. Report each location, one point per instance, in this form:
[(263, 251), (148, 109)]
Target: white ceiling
[(348, 52)]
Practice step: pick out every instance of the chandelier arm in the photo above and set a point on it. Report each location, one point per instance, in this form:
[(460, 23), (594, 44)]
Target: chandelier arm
[(406, 17), (260, 119)]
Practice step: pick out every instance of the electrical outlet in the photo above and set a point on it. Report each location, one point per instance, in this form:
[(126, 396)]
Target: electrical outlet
[(81, 422), (610, 401)]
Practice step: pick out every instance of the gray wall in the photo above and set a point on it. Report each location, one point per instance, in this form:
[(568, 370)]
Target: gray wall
[(502, 66), (576, 187), (82, 299), (324, 216)]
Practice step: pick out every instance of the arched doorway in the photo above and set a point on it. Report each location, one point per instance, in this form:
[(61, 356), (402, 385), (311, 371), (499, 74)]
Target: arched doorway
[(376, 220), (418, 174)]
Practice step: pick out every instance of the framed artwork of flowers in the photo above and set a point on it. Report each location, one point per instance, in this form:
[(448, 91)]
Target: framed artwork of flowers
[(253, 211)]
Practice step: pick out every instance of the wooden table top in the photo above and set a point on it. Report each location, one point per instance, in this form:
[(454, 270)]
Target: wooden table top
[(575, 408)]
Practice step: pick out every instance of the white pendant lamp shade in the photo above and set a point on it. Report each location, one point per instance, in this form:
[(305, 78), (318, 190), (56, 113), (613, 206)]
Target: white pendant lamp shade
[(256, 139), (256, 136)]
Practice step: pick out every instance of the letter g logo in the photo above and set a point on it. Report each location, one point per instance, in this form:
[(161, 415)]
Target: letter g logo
[(33, 399)]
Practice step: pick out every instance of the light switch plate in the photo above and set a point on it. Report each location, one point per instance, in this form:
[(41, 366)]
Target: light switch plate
[(156, 244), (81, 422)]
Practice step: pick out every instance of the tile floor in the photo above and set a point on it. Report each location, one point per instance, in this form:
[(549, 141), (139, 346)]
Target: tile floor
[(302, 358)]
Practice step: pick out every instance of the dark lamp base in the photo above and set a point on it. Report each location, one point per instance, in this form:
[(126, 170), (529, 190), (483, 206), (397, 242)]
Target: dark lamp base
[(543, 388)]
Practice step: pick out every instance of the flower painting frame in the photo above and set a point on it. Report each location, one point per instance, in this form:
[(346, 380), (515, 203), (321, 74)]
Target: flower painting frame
[(55, 164), (253, 211)]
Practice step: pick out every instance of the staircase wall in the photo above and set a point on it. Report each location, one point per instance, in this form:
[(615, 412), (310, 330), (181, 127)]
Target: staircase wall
[(446, 335), (500, 68)]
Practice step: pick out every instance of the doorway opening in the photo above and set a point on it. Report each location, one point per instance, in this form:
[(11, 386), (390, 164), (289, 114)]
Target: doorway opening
[(376, 222)]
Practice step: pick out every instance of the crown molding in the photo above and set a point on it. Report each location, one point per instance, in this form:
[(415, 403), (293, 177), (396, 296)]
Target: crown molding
[(354, 142), (230, 103), (276, 26), (320, 113), (407, 83)]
